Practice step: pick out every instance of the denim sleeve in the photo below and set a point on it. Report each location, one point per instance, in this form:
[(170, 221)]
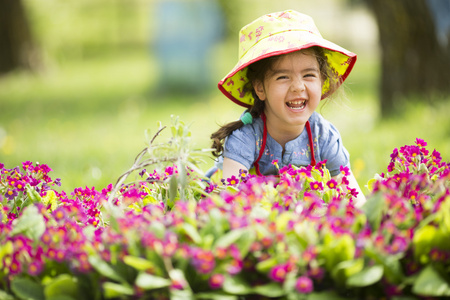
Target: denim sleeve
[(240, 146), (334, 151)]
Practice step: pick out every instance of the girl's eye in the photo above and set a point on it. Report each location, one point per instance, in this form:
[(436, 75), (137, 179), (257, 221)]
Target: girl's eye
[(310, 75), (282, 77)]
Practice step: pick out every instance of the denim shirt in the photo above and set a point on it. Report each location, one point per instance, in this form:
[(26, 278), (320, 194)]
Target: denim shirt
[(244, 144)]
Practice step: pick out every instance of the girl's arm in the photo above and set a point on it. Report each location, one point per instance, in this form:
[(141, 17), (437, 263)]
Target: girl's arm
[(360, 199), (231, 167)]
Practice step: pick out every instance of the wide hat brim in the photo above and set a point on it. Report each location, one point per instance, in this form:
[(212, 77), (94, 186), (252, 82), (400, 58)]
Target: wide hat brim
[(339, 59)]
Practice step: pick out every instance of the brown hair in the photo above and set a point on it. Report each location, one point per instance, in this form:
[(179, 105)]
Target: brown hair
[(256, 72)]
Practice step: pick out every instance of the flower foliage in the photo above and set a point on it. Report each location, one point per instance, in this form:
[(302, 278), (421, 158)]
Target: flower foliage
[(172, 234)]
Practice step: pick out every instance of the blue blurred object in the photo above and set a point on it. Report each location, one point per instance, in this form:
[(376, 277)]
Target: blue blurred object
[(440, 10), (186, 33)]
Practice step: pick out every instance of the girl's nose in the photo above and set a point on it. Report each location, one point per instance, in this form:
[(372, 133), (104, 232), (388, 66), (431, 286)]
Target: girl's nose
[(297, 85)]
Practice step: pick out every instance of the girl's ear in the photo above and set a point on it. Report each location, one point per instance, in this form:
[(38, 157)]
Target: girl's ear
[(259, 90)]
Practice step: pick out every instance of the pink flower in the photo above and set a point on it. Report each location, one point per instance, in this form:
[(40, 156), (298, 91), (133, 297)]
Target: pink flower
[(11, 194), (15, 267), (203, 261), (216, 281), (235, 266), (275, 163), (316, 273), (332, 184), (304, 285), (278, 273), (35, 268), (420, 142), (399, 244), (344, 170), (233, 180), (178, 284), (315, 185)]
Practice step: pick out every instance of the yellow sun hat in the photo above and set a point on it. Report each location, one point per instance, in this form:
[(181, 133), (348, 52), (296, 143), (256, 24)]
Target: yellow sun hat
[(281, 33)]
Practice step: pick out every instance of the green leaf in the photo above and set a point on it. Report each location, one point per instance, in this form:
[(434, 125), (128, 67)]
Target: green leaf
[(392, 267), (115, 290), (236, 285), (5, 296), (373, 209), (366, 277), (27, 289), (430, 283), (60, 297), (266, 265), (424, 239), (229, 238), (272, 289), (325, 296), (31, 223), (173, 190), (215, 296), (139, 263), (180, 294), (149, 282), (32, 194), (104, 268), (337, 250), (192, 232), (345, 269), (64, 284)]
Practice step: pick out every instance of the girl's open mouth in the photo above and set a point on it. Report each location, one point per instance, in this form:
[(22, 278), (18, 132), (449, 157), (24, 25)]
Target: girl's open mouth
[(296, 105)]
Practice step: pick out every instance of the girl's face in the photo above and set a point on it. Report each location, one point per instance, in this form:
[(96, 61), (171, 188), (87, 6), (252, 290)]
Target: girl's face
[(292, 90)]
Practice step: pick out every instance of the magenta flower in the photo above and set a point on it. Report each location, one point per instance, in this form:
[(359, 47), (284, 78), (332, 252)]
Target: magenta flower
[(178, 284), (344, 170), (203, 261), (278, 273), (316, 273), (35, 268), (304, 285), (20, 185), (15, 267), (275, 163), (315, 185), (27, 166), (235, 266), (11, 194), (436, 156), (345, 180), (60, 213), (332, 184), (399, 244), (420, 142), (309, 254), (233, 180), (216, 281), (304, 172)]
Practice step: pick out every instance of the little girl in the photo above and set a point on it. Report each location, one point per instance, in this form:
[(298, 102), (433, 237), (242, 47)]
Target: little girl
[(285, 69)]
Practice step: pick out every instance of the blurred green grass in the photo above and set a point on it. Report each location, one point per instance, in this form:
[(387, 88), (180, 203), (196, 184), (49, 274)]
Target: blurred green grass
[(87, 120)]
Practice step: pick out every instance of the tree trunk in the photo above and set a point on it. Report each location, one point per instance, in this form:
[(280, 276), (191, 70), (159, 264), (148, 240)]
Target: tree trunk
[(16, 43), (413, 60)]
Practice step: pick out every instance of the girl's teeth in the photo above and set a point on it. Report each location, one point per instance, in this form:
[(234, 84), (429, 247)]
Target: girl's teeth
[(296, 104)]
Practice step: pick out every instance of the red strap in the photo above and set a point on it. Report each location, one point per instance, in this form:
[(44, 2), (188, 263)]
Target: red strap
[(311, 143), (263, 146)]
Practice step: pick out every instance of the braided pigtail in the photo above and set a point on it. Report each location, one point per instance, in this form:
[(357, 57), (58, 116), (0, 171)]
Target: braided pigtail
[(255, 72)]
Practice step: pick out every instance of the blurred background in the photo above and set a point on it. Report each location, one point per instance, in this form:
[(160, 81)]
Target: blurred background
[(81, 81)]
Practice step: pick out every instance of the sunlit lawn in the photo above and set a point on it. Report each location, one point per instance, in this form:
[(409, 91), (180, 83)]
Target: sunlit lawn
[(87, 120)]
